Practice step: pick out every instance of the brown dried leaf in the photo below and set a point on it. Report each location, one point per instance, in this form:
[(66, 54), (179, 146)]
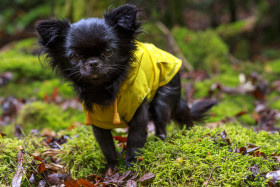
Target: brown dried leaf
[(42, 168), (124, 175), (69, 182), (18, 175), (57, 178), (38, 158), (274, 175), (251, 150), (85, 183), (147, 178), (223, 135), (52, 152), (131, 183), (54, 167)]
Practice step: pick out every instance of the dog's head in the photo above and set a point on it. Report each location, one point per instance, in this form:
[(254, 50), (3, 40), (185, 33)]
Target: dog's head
[(91, 50)]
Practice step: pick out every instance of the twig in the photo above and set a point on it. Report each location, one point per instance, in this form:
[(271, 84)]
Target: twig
[(210, 176), (174, 45)]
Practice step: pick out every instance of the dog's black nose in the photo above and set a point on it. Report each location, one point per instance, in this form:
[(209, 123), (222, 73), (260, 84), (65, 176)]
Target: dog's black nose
[(93, 62)]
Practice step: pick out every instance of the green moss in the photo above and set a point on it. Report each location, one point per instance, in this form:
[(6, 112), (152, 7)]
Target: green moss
[(82, 154), (232, 29), (39, 115), (37, 89), (204, 50), (201, 152), (242, 49), (9, 148), (23, 64), (229, 107), (185, 158)]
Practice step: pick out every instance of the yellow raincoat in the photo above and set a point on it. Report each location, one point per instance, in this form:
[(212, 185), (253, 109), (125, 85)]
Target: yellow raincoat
[(152, 69)]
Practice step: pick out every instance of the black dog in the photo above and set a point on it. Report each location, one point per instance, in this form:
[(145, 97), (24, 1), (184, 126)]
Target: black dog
[(98, 56)]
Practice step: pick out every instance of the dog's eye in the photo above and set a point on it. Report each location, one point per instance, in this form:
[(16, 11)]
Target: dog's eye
[(75, 57), (108, 52)]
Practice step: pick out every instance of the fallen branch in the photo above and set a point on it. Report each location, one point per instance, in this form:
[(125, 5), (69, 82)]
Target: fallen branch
[(210, 176)]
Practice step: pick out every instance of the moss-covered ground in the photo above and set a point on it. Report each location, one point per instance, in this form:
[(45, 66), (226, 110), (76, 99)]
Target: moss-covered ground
[(248, 95)]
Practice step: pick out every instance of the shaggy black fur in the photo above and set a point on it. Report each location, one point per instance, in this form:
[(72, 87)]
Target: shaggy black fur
[(94, 55)]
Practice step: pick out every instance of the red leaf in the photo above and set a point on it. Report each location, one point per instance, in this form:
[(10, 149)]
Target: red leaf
[(42, 168), (120, 139), (241, 113), (38, 158), (85, 183), (2, 134), (54, 93), (274, 154), (69, 182)]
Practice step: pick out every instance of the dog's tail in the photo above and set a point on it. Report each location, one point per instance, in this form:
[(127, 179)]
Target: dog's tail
[(188, 116)]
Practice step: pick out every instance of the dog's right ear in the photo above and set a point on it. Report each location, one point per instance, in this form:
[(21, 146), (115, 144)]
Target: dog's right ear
[(52, 32)]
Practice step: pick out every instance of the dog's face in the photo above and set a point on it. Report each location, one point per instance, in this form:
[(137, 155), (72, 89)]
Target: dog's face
[(91, 50)]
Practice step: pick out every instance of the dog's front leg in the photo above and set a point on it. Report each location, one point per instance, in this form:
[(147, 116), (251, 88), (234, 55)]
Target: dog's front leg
[(137, 133), (105, 141)]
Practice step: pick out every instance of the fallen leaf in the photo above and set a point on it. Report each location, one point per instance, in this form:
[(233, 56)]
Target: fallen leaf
[(42, 168), (54, 167), (147, 178), (85, 183), (131, 183), (274, 175), (251, 150), (2, 134), (57, 178), (69, 182), (38, 158), (120, 139), (124, 175), (54, 94), (18, 175), (52, 152)]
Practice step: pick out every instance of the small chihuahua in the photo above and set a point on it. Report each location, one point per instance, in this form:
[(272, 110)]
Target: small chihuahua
[(120, 81)]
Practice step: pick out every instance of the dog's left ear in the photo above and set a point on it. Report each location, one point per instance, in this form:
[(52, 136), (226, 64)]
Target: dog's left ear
[(124, 18)]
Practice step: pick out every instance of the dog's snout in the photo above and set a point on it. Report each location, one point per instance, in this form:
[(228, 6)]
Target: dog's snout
[(93, 62)]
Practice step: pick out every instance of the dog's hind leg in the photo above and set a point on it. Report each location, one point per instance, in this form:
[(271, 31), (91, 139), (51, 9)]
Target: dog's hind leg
[(164, 105)]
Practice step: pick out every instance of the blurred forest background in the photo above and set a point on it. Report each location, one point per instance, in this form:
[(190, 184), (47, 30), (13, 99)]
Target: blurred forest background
[(230, 51)]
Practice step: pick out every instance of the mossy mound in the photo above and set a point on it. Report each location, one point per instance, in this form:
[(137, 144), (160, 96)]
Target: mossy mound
[(39, 115), (204, 50), (186, 157), (22, 63)]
